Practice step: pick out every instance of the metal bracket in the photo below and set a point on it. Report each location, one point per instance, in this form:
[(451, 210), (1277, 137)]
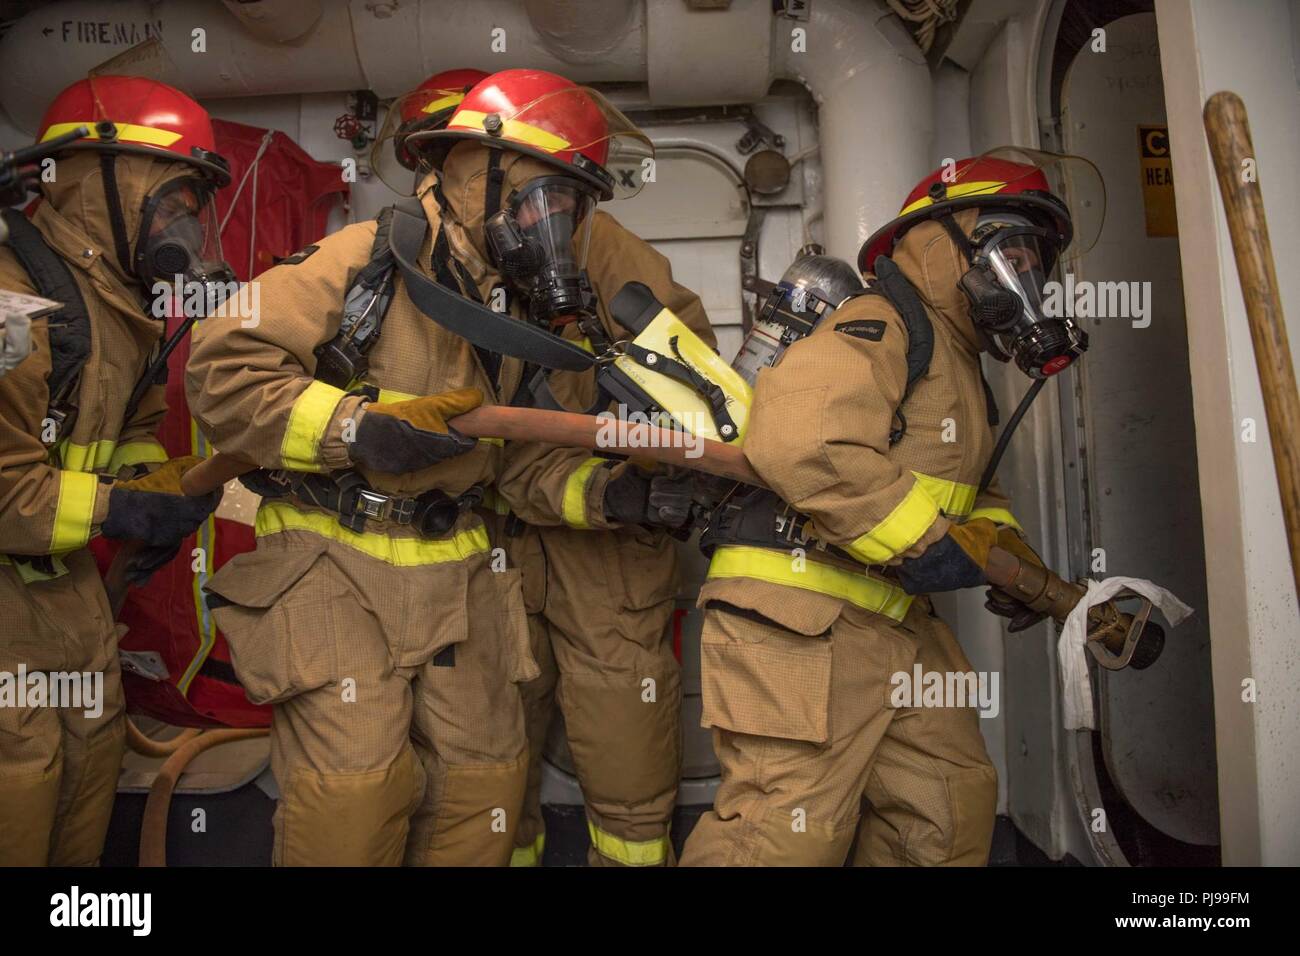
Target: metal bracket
[(1117, 662)]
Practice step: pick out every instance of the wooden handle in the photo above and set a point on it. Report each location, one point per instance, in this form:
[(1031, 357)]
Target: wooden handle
[(1228, 131)]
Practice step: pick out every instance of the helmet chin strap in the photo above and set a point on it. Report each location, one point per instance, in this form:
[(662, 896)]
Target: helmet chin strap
[(116, 219)]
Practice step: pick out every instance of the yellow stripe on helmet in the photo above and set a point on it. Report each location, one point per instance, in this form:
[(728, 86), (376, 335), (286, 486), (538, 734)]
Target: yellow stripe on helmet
[(451, 99), (956, 191), (126, 133), (512, 129)]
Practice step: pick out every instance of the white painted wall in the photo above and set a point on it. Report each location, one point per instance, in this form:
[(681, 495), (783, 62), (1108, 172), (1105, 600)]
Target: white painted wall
[(1207, 46)]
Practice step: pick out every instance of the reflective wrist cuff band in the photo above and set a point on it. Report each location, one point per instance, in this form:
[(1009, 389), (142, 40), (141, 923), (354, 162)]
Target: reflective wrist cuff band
[(999, 516), (308, 419), (953, 497), (901, 529), (574, 508), (74, 514), (143, 452)]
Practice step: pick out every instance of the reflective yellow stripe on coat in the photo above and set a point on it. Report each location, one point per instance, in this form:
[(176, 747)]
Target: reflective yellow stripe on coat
[(278, 516), (143, 452), (780, 567)]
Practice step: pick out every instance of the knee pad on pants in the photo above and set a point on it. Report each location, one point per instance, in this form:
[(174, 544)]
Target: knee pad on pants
[(907, 834), (82, 824), (474, 820), (347, 819), (624, 734), (27, 804)]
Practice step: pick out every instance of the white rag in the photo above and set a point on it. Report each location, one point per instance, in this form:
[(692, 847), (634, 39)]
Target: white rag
[(1076, 686)]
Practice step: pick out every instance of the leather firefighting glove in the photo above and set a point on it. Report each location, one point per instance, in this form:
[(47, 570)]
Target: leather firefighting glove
[(659, 500), (154, 510), (1002, 604), (955, 561), (397, 437)]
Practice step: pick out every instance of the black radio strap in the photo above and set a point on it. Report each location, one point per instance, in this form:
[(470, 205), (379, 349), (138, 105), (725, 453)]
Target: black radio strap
[(472, 321)]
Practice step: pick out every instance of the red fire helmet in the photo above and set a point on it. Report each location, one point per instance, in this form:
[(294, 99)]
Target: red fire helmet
[(132, 114)]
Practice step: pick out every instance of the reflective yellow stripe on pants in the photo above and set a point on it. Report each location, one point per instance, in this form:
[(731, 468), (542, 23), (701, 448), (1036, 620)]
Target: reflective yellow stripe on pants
[(530, 855), (628, 852)]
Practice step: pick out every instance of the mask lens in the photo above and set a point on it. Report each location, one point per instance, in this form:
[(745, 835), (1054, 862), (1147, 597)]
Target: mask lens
[(558, 216), (1018, 262)]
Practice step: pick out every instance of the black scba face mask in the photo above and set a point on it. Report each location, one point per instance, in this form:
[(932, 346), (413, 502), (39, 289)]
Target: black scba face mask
[(539, 245), (1011, 258), (180, 241)]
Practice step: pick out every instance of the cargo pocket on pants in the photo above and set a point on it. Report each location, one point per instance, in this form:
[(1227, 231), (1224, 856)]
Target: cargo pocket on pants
[(521, 666), (762, 679), (275, 608)]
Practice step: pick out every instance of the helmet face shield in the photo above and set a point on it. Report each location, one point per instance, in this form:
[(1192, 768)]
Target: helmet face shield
[(1008, 288), (1070, 183), (180, 237), (539, 243), (394, 156)]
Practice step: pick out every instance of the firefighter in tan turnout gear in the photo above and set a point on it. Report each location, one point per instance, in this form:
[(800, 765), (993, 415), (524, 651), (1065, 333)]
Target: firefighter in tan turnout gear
[(373, 614), (599, 576), (129, 205), (875, 432)]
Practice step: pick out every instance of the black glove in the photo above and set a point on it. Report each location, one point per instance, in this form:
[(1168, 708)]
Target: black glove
[(1004, 605), (953, 562), (399, 437), (662, 500), (149, 559), (154, 509)]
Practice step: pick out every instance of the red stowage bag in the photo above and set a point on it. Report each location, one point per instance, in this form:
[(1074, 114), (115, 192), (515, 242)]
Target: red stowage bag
[(172, 636)]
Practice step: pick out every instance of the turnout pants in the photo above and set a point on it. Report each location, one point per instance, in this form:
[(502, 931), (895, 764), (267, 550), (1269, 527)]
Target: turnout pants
[(601, 607), (397, 734), (60, 755), (806, 725)]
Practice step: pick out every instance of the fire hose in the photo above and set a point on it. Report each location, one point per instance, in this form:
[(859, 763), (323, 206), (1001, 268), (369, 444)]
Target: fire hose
[(1115, 638)]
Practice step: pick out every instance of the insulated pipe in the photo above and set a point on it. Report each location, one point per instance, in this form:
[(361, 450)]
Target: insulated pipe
[(855, 57), (583, 31), (276, 21), (872, 86), (205, 52)]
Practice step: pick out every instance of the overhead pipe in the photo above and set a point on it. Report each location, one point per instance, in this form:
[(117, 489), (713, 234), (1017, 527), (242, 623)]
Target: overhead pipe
[(861, 66), (872, 88), (276, 21)]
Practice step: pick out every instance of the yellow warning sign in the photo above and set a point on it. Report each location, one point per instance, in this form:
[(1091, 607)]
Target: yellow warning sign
[(1157, 181)]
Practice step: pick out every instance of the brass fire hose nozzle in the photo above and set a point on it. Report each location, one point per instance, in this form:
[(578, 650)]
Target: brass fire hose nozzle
[(1115, 638)]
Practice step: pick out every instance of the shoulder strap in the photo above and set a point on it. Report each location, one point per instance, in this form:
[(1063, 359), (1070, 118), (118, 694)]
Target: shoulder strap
[(902, 295), (342, 360), (69, 328), (472, 321)]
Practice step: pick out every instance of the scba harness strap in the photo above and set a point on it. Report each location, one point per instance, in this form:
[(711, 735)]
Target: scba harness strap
[(69, 328), (899, 292)]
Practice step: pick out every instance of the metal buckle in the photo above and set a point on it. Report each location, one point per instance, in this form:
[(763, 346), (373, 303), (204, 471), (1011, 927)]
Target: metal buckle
[(614, 351), (372, 505)]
